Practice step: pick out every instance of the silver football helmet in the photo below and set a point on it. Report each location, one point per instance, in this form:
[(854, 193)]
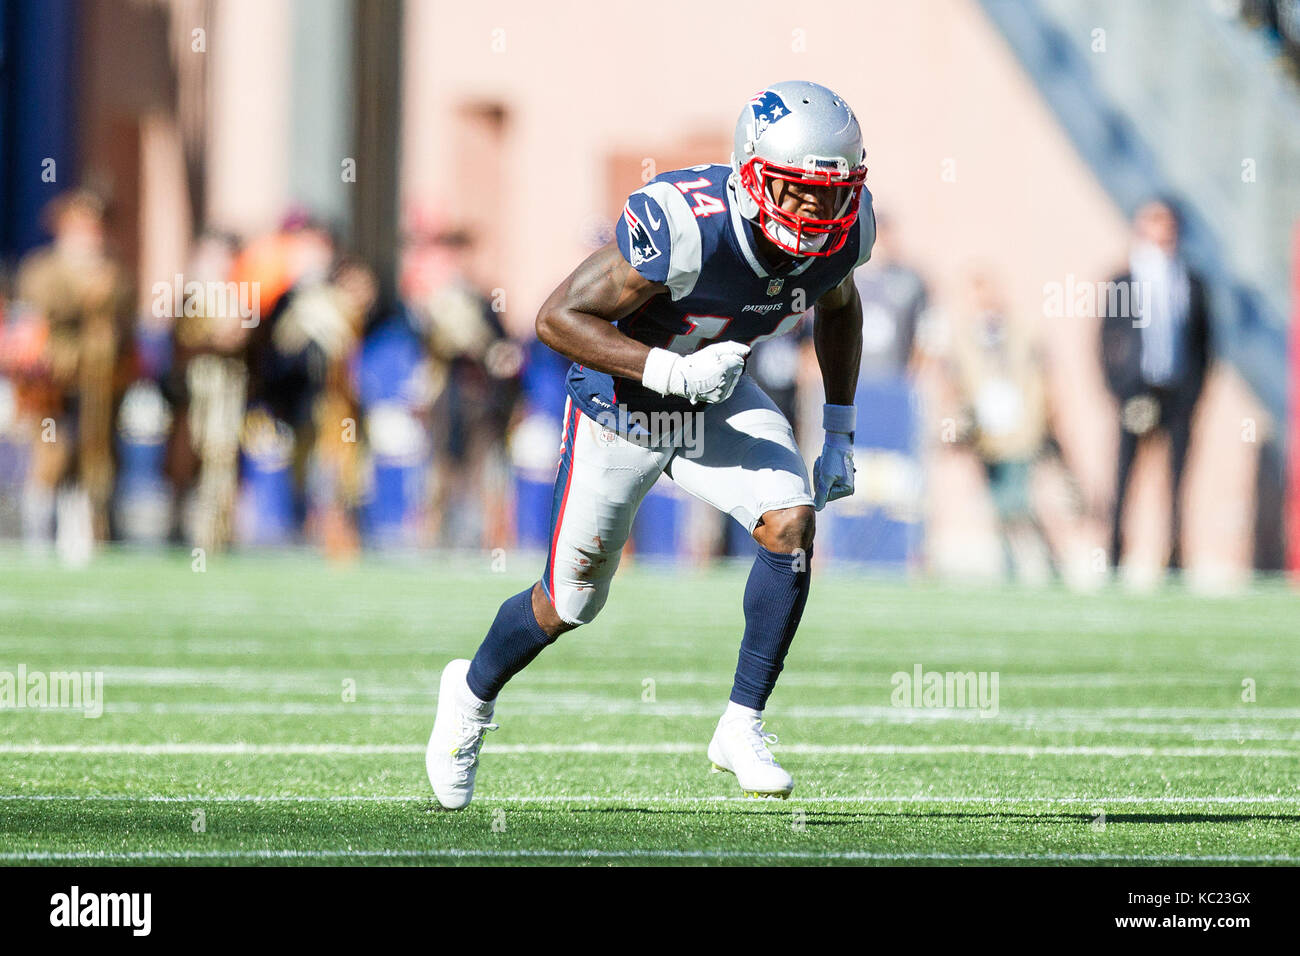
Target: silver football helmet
[(798, 132)]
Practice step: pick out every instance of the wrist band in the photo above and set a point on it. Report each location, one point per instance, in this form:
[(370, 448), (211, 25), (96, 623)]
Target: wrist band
[(658, 367), (839, 418)]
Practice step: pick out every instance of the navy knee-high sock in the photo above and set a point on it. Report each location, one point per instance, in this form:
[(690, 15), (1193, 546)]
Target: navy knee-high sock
[(512, 642), (774, 599)]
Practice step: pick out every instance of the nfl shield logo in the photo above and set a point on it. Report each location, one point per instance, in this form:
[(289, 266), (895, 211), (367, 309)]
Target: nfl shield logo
[(774, 286)]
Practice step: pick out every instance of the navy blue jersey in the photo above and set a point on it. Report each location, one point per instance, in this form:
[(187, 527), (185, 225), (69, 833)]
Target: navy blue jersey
[(683, 230)]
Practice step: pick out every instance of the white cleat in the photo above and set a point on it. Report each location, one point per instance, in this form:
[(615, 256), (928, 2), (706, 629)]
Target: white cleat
[(739, 746), (452, 756)]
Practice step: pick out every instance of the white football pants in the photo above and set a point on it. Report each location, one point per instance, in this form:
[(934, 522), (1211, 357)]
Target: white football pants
[(738, 456)]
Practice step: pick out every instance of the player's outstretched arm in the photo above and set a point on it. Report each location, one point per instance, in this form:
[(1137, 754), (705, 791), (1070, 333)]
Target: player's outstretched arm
[(837, 337), (577, 319)]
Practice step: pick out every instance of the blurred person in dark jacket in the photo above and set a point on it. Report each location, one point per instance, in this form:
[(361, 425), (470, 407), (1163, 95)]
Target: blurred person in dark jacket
[(85, 301), (299, 359), (474, 370), (1155, 349), (292, 272)]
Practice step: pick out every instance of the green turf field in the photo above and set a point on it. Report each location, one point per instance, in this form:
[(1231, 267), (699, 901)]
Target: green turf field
[(226, 738)]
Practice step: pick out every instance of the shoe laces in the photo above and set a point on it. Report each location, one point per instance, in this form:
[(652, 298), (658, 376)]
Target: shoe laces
[(470, 741), (758, 740)]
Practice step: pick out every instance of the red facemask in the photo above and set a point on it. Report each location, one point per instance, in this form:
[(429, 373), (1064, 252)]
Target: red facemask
[(757, 176)]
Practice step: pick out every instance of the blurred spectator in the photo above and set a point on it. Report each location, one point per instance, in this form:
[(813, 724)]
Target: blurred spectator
[(337, 471), (474, 370), (78, 292), (299, 360), (300, 250), (207, 386), (1000, 380), (894, 298), (393, 389), (1154, 354)]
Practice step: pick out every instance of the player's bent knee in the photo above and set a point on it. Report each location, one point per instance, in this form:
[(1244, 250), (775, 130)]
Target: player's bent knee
[(579, 607), (787, 530), (548, 619), (572, 608)]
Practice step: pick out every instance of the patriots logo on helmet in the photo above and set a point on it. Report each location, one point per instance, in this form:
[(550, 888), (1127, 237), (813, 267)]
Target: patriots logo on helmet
[(640, 242), (768, 108)]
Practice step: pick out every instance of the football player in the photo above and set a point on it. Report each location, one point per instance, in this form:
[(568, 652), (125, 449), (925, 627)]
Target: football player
[(706, 261)]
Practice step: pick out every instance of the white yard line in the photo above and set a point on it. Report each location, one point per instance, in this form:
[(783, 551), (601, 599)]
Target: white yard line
[(237, 676), (38, 856), (618, 672), (539, 749), (542, 704)]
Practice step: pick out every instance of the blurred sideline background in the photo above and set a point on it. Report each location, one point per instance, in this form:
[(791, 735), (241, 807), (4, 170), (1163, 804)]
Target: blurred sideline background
[(271, 267)]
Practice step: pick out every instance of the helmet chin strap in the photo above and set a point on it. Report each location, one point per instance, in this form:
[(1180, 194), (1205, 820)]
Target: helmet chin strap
[(745, 202), (783, 235)]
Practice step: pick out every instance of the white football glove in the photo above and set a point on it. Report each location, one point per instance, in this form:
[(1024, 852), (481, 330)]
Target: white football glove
[(833, 471), (709, 375)]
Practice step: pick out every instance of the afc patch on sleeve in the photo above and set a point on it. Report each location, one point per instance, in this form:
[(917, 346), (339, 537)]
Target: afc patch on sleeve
[(641, 244)]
